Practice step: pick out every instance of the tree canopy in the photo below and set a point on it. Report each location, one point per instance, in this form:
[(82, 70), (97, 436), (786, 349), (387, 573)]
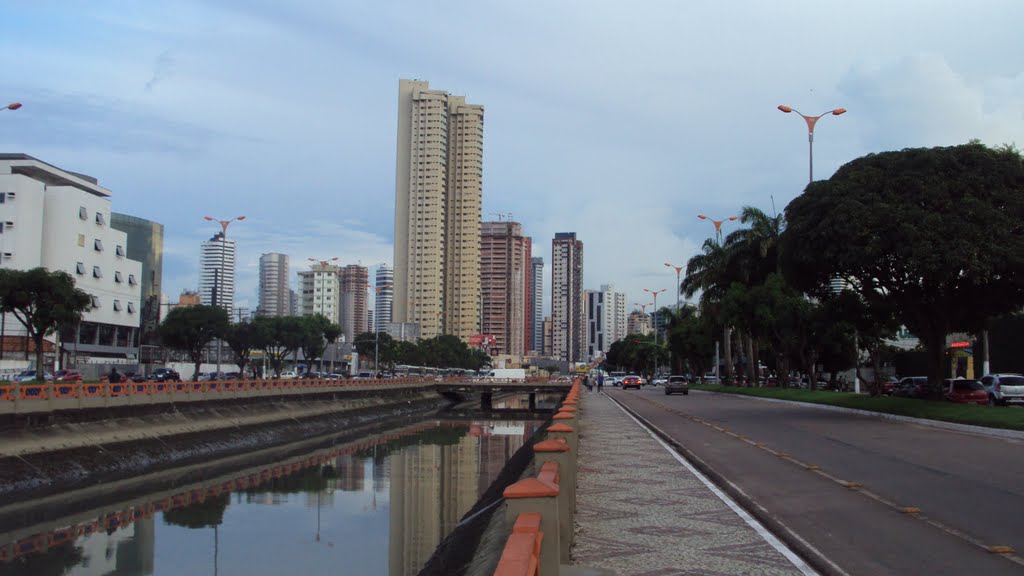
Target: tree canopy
[(191, 328), (934, 234), (43, 302)]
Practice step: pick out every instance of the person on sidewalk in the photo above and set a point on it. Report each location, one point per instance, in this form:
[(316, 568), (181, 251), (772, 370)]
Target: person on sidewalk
[(600, 382), (586, 382), (114, 377)]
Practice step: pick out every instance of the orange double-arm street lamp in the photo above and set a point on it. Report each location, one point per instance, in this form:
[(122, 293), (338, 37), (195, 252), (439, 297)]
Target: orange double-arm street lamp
[(678, 270), (223, 223), (12, 106), (718, 224), (323, 262), (811, 121)]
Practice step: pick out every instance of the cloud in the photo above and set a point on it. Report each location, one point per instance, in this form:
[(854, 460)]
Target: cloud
[(161, 70)]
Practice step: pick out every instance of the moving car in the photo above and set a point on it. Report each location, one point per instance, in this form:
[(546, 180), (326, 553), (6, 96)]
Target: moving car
[(68, 375), (632, 381), (1004, 388), (164, 375), (964, 391), (677, 384), (30, 376)]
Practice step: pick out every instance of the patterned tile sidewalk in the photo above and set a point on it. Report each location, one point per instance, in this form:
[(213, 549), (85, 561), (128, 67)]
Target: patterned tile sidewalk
[(641, 512)]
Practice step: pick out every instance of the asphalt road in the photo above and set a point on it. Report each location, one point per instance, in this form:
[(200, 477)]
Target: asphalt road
[(845, 486)]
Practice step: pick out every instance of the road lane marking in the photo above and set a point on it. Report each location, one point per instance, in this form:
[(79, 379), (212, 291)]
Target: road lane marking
[(772, 540), (913, 512)]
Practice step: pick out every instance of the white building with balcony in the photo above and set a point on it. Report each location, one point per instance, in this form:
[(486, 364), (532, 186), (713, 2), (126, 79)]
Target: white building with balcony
[(60, 220)]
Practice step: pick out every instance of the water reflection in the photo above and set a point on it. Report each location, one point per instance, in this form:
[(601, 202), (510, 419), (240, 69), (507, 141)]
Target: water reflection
[(374, 506)]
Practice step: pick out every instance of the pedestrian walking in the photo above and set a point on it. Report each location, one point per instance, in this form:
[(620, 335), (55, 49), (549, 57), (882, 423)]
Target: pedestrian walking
[(586, 382), (600, 382), (114, 377)]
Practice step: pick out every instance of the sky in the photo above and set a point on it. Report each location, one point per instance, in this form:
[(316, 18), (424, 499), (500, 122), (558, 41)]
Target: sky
[(618, 121)]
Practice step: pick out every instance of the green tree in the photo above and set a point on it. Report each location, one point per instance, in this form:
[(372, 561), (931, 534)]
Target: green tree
[(279, 337), (242, 338), (314, 341), (43, 302), (191, 328), (935, 234), (711, 273), (331, 334)]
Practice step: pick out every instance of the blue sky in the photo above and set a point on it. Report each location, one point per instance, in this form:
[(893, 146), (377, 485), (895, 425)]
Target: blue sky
[(619, 121)]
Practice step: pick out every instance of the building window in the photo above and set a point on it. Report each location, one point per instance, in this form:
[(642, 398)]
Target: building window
[(95, 301), (100, 219), (131, 308), (117, 277), (97, 244), (131, 279), (80, 268), (81, 240), (117, 305), (119, 250), (83, 213), (96, 272)]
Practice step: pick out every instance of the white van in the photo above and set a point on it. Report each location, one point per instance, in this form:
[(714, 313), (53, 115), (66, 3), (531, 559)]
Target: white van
[(517, 374)]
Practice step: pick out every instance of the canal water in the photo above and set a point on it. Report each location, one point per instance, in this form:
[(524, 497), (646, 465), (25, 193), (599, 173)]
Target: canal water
[(375, 506)]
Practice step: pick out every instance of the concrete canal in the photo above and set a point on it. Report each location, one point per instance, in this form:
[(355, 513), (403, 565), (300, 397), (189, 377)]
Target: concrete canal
[(375, 500)]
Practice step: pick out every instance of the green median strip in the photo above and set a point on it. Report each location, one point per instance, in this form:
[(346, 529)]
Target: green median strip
[(988, 416)]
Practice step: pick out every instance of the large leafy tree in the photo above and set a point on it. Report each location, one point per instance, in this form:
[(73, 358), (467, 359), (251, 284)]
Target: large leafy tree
[(314, 341), (191, 328), (935, 234), (380, 345), (242, 338), (43, 302), (279, 337)]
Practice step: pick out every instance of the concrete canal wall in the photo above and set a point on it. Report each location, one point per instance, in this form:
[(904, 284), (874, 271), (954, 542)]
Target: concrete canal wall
[(51, 460)]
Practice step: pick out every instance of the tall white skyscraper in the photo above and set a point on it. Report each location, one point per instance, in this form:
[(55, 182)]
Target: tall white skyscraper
[(537, 310), (385, 294), (217, 273), (438, 195), (274, 291), (606, 319)]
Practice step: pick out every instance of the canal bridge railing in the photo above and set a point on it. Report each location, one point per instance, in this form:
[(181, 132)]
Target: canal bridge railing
[(45, 397)]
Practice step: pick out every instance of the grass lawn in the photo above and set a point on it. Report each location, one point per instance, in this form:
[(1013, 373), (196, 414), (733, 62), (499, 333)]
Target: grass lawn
[(988, 416)]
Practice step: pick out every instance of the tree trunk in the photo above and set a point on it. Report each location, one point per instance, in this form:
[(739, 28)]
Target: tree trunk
[(751, 362), (937, 367), (877, 386), (40, 371), (727, 342), (756, 349)]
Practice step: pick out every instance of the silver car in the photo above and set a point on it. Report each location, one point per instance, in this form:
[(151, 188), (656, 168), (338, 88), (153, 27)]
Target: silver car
[(1004, 388), (677, 384)]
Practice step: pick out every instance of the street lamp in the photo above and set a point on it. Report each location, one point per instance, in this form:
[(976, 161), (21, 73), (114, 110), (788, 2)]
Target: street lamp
[(718, 224), (12, 106), (219, 278), (655, 293), (678, 269), (811, 121)]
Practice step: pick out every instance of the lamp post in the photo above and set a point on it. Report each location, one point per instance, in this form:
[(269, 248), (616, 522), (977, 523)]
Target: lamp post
[(679, 270), (219, 279), (655, 293), (811, 121), (718, 224)]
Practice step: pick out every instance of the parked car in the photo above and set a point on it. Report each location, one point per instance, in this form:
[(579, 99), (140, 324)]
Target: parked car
[(964, 391), (632, 381), (677, 384), (289, 375), (1004, 388), (30, 376), (912, 387), (889, 386), (67, 375), (711, 378), (133, 377), (164, 375)]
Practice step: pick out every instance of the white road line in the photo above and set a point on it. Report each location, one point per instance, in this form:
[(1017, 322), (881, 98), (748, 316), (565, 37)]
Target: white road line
[(750, 520)]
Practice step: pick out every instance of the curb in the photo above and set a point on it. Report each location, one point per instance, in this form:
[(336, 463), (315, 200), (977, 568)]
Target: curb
[(811, 555), (965, 428)]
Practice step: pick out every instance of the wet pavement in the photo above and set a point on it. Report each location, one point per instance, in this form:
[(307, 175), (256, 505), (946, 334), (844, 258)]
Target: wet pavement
[(643, 511)]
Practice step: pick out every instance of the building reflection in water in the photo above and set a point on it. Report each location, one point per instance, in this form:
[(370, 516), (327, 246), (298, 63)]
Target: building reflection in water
[(124, 552)]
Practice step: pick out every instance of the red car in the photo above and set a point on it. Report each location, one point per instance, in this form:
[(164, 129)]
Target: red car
[(631, 382), (68, 375), (965, 391)]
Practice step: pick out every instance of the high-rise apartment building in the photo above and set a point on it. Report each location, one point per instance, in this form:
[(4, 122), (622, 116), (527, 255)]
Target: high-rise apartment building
[(319, 291), (217, 273), (504, 284), (438, 195), (384, 297), (61, 220), (639, 323), (568, 314), (354, 284), (274, 292), (606, 319), (145, 244), (537, 305)]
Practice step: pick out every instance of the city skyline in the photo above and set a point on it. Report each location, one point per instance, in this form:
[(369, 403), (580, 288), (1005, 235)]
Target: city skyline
[(175, 101)]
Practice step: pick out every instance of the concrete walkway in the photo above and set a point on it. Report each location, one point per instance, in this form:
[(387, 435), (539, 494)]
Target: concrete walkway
[(643, 511)]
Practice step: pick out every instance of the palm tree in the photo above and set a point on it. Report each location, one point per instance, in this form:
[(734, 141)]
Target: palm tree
[(711, 273)]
